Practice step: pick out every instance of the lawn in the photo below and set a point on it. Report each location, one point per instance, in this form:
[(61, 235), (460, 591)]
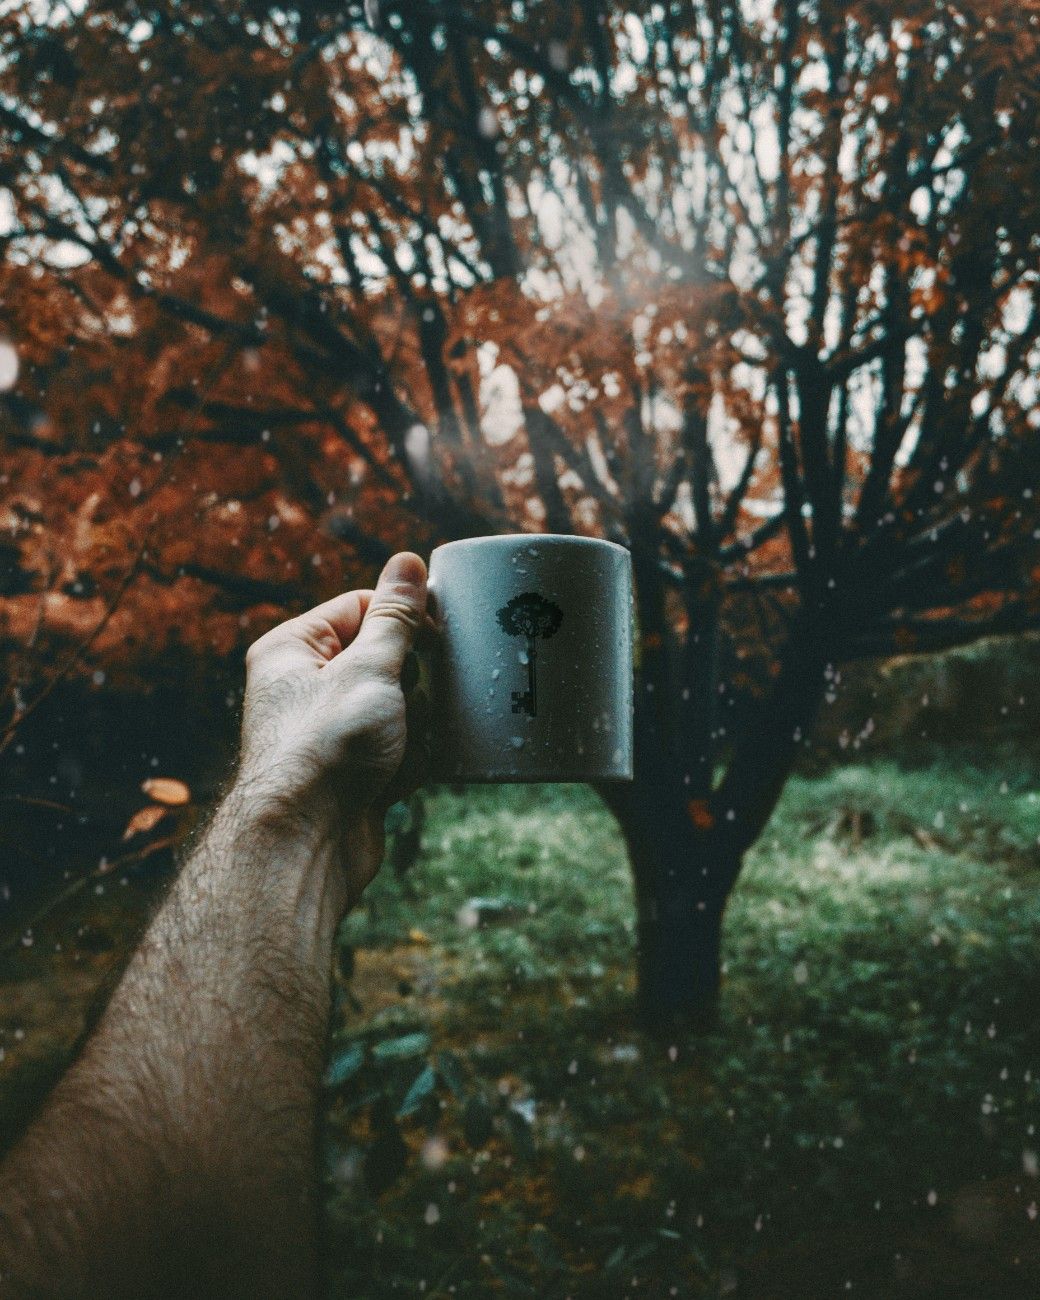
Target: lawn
[(862, 1119)]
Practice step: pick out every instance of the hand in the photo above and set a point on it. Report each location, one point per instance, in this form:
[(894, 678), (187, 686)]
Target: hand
[(328, 739)]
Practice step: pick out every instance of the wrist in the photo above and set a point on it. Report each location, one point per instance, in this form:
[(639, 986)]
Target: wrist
[(285, 853), (305, 811)]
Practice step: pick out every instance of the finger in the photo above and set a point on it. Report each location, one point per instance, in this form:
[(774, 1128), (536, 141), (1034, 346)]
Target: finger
[(394, 615), (333, 625), (414, 769), (313, 638)]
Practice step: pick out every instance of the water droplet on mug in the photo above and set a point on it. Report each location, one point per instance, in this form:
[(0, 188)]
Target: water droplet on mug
[(496, 673), (517, 742), (522, 656)]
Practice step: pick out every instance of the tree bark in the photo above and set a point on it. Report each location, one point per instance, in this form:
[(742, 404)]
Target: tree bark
[(683, 877)]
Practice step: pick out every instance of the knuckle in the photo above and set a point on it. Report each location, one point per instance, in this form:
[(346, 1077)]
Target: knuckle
[(255, 653), (263, 645), (397, 606)]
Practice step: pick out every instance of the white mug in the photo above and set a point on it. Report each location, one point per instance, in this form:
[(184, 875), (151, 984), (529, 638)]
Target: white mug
[(531, 677)]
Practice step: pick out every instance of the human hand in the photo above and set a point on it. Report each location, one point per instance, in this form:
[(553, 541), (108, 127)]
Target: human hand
[(329, 740)]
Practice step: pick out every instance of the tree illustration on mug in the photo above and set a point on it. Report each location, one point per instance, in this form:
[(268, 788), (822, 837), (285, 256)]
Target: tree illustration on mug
[(532, 617)]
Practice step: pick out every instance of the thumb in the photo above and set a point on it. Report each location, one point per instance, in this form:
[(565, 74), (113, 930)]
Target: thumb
[(394, 614)]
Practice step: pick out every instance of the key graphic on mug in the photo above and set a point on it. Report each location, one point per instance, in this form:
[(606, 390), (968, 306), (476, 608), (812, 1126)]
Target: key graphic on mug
[(532, 617)]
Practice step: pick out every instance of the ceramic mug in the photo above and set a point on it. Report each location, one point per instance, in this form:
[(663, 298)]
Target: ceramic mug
[(531, 677)]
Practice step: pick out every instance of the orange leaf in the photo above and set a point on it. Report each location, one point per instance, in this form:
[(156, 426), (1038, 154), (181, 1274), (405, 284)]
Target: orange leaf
[(144, 820), (700, 814), (166, 790)]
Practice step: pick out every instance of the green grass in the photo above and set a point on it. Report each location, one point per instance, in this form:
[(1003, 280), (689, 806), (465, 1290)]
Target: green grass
[(873, 1080)]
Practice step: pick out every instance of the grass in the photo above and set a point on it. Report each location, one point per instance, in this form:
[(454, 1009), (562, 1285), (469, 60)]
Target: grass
[(862, 1119)]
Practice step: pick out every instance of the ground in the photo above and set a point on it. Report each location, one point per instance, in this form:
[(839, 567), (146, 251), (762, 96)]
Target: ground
[(862, 1119)]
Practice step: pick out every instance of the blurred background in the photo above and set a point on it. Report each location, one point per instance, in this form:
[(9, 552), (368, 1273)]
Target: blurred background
[(750, 288)]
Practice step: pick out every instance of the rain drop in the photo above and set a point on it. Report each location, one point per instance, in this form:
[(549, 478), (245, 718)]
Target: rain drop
[(434, 1153), (8, 367)]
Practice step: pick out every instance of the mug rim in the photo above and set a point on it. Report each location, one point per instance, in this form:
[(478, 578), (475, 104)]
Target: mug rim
[(527, 539)]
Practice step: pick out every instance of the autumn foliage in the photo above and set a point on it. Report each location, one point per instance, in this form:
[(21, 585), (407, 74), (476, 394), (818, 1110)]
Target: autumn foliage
[(749, 289)]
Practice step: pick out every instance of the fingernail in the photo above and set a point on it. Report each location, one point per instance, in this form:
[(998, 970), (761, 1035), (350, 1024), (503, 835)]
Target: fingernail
[(405, 567)]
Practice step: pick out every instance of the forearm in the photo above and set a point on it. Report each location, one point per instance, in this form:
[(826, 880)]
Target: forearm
[(178, 1153), (177, 1156)]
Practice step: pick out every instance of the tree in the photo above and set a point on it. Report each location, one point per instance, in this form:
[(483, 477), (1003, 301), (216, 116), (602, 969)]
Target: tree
[(751, 289), (535, 619)]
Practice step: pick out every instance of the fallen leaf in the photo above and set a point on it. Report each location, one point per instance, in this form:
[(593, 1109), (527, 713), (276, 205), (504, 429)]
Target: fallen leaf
[(144, 820), (166, 790)]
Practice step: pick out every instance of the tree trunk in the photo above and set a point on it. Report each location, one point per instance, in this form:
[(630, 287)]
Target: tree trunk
[(683, 878), (686, 832)]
